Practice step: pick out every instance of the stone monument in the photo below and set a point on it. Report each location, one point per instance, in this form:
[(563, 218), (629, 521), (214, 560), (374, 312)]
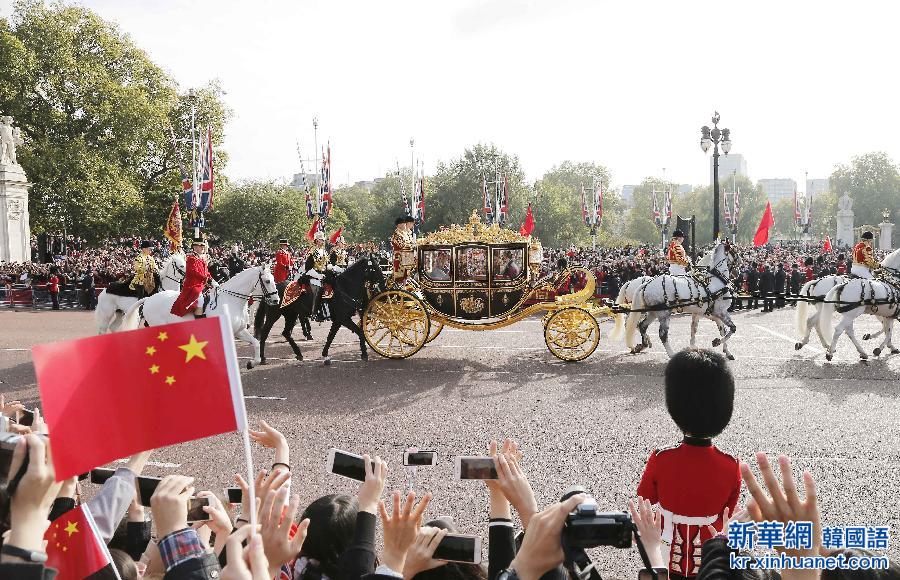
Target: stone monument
[(15, 232), (887, 230), (845, 214)]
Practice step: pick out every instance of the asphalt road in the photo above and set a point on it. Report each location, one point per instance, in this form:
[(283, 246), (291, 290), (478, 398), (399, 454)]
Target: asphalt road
[(593, 422)]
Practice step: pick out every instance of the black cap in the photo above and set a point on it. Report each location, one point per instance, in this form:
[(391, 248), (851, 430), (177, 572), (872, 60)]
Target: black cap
[(841, 257), (678, 234), (146, 244), (409, 220), (699, 392), (198, 241), (400, 220), (868, 236)]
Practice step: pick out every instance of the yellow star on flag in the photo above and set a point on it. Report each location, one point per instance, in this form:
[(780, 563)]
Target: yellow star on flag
[(72, 528), (154, 369), (162, 336), (194, 349), (169, 380), (151, 350)]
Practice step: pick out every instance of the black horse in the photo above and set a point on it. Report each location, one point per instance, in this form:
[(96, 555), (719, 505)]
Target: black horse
[(351, 294)]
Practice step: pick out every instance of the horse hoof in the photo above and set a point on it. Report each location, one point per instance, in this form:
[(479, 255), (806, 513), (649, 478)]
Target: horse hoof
[(716, 341), (828, 356), (729, 356), (263, 362), (307, 337), (863, 357), (327, 361), (364, 356), (249, 365), (299, 356), (877, 352), (895, 351), (867, 336), (798, 346)]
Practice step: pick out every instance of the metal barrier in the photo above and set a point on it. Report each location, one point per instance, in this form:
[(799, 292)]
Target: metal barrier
[(38, 297)]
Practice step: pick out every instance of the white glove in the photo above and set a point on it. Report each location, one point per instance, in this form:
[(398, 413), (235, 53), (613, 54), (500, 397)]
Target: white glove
[(337, 269), (312, 273)]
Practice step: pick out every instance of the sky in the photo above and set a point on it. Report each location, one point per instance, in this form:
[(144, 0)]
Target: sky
[(803, 85)]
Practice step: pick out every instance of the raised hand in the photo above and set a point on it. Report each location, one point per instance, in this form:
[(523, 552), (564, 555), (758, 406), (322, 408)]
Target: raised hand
[(169, 504), (31, 499), (514, 484), (400, 529), (541, 549), (420, 556), (267, 436), (373, 487), (219, 522), (245, 564), (649, 525), (11, 408), (275, 528)]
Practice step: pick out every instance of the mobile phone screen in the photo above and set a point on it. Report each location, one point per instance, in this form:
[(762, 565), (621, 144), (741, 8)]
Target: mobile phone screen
[(420, 458), (146, 487), (477, 468), (456, 548), (234, 494), (195, 509), (348, 465), (26, 417), (101, 474)]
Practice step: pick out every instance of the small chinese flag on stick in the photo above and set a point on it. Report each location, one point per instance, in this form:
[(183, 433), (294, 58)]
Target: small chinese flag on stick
[(114, 395), (74, 547)]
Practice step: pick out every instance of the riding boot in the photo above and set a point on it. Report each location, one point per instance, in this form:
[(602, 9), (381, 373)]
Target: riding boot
[(199, 316)]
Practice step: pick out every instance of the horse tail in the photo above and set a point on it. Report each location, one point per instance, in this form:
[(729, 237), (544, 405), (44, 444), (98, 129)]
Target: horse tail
[(621, 299), (130, 321), (828, 310), (632, 321), (802, 307)]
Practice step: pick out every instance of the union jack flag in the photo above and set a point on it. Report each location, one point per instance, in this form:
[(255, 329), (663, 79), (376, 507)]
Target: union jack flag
[(488, 211), (657, 217), (598, 203), (206, 173), (503, 203), (187, 191), (584, 210)]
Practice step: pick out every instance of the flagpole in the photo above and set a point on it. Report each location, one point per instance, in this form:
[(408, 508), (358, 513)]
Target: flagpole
[(412, 175), (194, 155)]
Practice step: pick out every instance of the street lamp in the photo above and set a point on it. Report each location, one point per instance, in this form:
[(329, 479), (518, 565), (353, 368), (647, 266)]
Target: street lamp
[(713, 138)]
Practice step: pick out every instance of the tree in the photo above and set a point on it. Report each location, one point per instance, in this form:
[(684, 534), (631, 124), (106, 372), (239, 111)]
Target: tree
[(557, 204), (95, 113), (873, 181), (699, 202), (640, 224)]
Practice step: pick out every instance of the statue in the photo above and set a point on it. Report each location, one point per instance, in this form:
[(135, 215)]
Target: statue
[(10, 138), (885, 215), (845, 203)]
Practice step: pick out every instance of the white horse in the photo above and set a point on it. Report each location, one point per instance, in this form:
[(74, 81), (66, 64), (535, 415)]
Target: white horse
[(814, 291), (861, 296), (625, 298), (665, 293), (111, 307), (256, 282)]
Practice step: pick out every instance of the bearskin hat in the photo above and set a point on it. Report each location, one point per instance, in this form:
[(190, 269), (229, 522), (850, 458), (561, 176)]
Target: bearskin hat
[(699, 392), (678, 234), (868, 236)]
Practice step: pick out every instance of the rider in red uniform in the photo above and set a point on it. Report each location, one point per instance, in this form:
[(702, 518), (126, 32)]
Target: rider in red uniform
[(196, 275), (283, 262)]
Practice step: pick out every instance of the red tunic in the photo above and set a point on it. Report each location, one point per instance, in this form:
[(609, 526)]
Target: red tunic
[(54, 285), (196, 275), (692, 485), (283, 264)]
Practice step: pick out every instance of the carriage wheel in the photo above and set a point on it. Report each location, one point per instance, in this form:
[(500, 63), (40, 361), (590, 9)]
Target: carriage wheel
[(435, 330), (572, 334), (395, 324)]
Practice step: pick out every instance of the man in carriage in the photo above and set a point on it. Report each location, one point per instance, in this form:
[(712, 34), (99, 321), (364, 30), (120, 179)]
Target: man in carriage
[(404, 249), (196, 277), (146, 274), (284, 262), (864, 257), (679, 262)]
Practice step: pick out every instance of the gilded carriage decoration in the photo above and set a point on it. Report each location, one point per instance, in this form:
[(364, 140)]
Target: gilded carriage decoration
[(481, 277)]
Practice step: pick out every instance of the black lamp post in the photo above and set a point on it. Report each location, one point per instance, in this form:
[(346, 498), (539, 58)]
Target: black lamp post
[(714, 138)]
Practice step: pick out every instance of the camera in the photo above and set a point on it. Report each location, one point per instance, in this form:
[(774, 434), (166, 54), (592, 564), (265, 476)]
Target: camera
[(587, 527)]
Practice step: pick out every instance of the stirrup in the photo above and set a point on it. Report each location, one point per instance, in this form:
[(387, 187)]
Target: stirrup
[(196, 316)]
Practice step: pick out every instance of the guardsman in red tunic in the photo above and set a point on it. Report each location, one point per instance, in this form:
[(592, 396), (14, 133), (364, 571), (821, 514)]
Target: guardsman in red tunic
[(864, 257), (196, 275), (284, 262), (679, 263), (693, 482)]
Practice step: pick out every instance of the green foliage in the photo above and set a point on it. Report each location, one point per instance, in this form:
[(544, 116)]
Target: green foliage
[(873, 181), (94, 112), (699, 202), (639, 223)]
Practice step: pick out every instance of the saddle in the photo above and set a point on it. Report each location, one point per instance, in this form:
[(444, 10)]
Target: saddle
[(293, 292)]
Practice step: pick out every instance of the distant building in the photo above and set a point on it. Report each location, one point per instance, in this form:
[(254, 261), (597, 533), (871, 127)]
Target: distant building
[(685, 188), (298, 180), (729, 164), (816, 186), (627, 195), (778, 189)]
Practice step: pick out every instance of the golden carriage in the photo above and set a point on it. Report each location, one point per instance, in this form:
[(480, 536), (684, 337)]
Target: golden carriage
[(481, 277)]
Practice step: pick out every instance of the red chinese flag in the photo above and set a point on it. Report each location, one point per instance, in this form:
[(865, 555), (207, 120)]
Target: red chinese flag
[(114, 395), (762, 232), (528, 226), (826, 247), (311, 234), (73, 546)]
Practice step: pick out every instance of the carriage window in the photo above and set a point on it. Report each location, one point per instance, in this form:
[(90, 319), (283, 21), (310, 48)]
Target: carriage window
[(436, 264), (471, 264), (508, 263)]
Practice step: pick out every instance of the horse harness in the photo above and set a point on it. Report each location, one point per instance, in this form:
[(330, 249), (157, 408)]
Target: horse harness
[(679, 304)]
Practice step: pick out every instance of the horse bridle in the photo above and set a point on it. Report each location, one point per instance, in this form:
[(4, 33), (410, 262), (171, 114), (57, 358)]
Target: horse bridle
[(259, 282), (178, 271)]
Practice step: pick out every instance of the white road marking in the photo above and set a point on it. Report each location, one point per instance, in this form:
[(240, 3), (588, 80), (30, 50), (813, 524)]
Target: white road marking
[(154, 463), (492, 331), (16, 349), (788, 338), (265, 398)]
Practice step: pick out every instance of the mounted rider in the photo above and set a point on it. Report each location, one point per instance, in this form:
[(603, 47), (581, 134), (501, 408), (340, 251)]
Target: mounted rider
[(404, 247), (315, 269), (146, 274), (196, 277), (864, 257), (338, 256), (284, 262), (679, 262)]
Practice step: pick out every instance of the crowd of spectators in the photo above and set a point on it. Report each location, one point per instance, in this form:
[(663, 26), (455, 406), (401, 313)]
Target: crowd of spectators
[(685, 511)]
